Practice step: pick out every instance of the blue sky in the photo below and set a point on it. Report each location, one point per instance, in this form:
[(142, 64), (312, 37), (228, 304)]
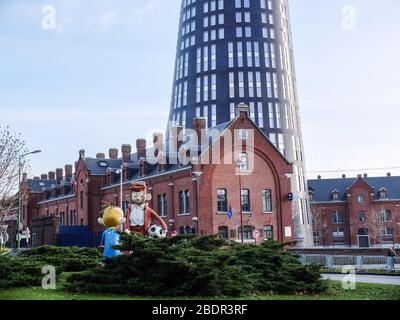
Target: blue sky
[(104, 77)]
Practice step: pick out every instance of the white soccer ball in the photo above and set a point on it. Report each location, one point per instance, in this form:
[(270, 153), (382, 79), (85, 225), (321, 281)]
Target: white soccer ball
[(156, 232)]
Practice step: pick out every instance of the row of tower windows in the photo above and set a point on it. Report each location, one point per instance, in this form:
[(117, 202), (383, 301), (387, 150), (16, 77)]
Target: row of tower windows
[(211, 6), (206, 57)]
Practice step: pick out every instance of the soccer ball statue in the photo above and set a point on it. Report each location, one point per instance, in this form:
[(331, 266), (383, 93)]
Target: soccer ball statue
[(156, 232)]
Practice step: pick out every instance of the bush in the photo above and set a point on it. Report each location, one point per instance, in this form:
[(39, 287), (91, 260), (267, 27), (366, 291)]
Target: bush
[(26, 268), (198, 266)]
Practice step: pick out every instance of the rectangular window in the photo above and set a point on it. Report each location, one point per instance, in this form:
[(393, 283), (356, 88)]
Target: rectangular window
[(251, 84), (213, 57), (185, 91), (248, 32), (240, 54), (230, 54), (239, 32), (205, 88), (252, 112), (268, 232), (267, 201), (232, 111), (184, 202), (267, 55), (198, 90), (278, 115), (338, 232), (213, 115), (198, 61), (221, 33), (337, 217), (162, 205), (276, 89), (213, 87), (241, 84), (281, 142), (260, 115), (205, 115), (256, 54), (271, 115), (246, 205), (258, 84), (269, 85), (231, 85), (205, 59), (249, 54), (186, 69), (220, 4)]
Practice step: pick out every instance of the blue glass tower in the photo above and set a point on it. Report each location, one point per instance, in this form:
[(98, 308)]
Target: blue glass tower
[(240, 51)]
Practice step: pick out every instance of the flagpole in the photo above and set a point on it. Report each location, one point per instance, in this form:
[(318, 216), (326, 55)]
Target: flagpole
[(240, 197)]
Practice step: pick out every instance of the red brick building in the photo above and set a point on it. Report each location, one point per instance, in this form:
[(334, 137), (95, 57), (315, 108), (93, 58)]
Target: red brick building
[(193, 194), (362, 211)]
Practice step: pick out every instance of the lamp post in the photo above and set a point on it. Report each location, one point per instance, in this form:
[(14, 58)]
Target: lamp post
[(19, 195)]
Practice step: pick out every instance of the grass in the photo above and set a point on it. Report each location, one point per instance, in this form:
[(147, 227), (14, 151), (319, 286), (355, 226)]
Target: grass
[(336, 292)]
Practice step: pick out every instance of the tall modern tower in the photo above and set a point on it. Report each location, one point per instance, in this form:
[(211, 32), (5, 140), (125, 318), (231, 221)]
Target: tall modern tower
[(240, 51)]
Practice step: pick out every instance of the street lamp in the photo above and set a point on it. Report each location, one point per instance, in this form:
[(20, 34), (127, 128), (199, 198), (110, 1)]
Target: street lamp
[(19, 195)]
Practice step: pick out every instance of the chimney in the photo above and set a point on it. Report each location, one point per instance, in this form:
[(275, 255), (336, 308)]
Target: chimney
[(389, 174), (158, 141), (68, 172), (100, 156), (242, 110), (365, 175), (59, 175), (359, 176), (113, 153), (81, 153), (343, 176), (319, 177), (141, 148), (24, 176), (43, 176), (199, 126), (52, 175), (126, 150)]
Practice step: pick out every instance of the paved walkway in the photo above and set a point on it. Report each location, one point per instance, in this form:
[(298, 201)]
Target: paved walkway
[(366, 278)]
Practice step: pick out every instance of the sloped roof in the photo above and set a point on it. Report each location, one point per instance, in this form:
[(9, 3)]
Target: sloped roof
[(323, 188), (40, 185)]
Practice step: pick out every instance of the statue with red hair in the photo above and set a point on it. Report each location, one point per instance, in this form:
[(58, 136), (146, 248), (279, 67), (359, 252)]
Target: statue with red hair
[(139, 215)]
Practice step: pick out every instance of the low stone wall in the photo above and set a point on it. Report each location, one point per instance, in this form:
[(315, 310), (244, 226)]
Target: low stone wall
[(344, 251)]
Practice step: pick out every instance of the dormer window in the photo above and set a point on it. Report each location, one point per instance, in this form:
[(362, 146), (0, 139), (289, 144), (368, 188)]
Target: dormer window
[(383, 194), (335, 195), (103, 164)]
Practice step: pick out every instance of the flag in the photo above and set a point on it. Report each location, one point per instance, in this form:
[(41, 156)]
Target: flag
[(230, 213)]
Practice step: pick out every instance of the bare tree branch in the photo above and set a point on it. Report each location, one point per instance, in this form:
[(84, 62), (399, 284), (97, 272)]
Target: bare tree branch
[(11, 148)]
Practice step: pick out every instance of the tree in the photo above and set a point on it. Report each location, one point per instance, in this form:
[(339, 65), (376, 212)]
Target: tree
[(11, 148), (375, 224), (319, 223)]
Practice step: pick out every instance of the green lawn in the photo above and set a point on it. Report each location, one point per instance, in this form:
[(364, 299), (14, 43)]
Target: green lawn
[(363, 292)]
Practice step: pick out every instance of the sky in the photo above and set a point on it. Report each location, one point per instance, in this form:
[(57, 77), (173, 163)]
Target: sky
[(103, 77)]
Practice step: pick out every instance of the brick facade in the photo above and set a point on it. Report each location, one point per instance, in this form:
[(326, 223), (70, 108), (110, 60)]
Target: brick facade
[(78, 200), (365, 211)]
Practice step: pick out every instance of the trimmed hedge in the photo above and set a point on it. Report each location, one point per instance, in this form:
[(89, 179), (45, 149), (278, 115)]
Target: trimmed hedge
[(199, 266), (26, 269)]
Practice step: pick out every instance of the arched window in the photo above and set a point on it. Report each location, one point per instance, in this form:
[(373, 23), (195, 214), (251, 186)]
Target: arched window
[(222, 200), (247, 233), (267, 200)]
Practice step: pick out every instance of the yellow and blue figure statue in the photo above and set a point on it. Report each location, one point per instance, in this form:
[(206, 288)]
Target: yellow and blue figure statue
[(113, 219)]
